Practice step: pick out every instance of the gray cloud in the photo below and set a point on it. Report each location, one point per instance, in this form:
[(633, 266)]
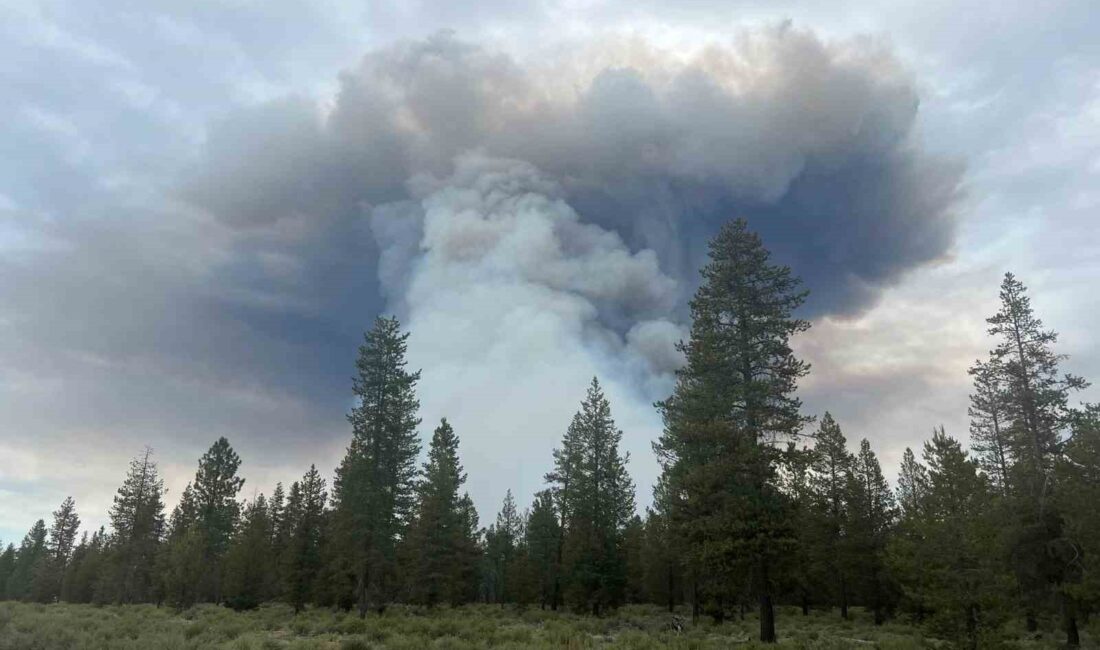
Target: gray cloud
[(812, 142)]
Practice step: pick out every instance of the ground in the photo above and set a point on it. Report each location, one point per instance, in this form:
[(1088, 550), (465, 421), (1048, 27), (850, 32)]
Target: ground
[(145, 627)]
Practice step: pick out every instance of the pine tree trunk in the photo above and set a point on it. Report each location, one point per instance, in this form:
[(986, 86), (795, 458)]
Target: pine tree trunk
[(843, 598), (805, 604), (361, 592), (877, 595), (1069, 616), (694, 602), (767, 611), (972, 627), (671, 593)]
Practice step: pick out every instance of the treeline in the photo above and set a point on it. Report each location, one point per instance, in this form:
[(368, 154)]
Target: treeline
[(757, 504)]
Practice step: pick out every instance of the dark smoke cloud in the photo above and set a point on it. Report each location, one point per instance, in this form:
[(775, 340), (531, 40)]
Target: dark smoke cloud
[(810, 141)]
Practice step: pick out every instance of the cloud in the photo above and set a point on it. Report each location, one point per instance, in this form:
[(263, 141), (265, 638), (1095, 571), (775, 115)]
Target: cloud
[(809, 140)]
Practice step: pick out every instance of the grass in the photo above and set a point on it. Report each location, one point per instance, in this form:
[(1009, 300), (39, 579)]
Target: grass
[(274, 626)]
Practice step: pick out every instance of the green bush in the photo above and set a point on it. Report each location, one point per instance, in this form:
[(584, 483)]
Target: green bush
[(275, 627)]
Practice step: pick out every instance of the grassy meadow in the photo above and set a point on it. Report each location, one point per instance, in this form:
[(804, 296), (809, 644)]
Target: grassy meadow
[(145, 627)]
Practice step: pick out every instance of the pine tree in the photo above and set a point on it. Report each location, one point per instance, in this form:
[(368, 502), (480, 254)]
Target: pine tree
[(907, 550), (137, 523), (277, 513), (27, 558), (872, 516), (1079, 477), (185, 514), (566, 490), (442, 550), (990, 433), (1035, 398), (501, 542), (374, 489), (964, 582), (543, 535), (182, 566), (664, 572), (85, 576), (215, 491), (733, 403), (598, 494), (807, 571), (249, 562), (302, 557), (50, 570), (633, 545), (829, 471), (200, 529), (7, 565)]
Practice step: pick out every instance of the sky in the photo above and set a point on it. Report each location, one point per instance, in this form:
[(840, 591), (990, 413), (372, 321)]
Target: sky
[(204, 205)]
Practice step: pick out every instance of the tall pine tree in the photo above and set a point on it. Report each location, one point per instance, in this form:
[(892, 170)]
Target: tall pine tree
[(598, 494), (304, 519), (50, 569), (138, 527), (374, 490), (872, 516), (441, 547), (250, 570), (30, 554), (733, 403), (1033, 395), (831, 464), (543, 534)]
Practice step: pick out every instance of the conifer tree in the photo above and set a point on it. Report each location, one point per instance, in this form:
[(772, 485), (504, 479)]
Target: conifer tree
[(990, 426), (79, 557), (566, 492), (1035, 400), (1079, 477), (215, 490), (182, 567), (302, 557), (808, 578), (7, 565), (27, 558), (543, 534), (830, 467), (374, 489), (214, 497), (277, 513), (733, 403), (664, 574), (907, 550), (137, 523), (442, 550), (249, 562), (200, 529), (964, 583), (88, 576), (872, 515), (598, 494), (501, 542), (633, 544), (50, 569)]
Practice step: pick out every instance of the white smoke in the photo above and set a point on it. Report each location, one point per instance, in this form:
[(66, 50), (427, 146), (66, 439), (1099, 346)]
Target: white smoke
[(512, 302)]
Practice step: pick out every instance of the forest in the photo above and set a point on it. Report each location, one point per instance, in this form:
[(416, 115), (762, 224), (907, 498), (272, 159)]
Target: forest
[(760, 509)]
